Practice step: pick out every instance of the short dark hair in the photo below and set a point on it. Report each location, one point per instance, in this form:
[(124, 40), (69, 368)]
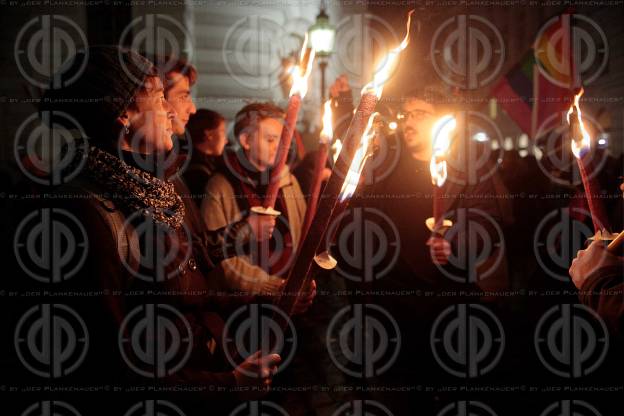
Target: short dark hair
[(254, 113), (167, 65), (202, 120)]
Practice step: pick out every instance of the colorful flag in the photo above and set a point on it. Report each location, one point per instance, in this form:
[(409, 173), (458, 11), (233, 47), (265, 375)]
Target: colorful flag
[(540, 86)]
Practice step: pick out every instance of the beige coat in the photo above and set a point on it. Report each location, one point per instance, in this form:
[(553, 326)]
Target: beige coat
[(220, 208)]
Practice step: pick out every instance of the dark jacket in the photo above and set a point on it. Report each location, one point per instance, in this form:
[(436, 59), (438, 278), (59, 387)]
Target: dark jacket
[(198, 172), (405, 197), (123, 273), (603, 291)]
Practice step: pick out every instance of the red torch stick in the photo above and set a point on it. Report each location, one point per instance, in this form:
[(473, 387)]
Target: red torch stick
[(297, 92), (362, 155), (341, 183), (581, 145)]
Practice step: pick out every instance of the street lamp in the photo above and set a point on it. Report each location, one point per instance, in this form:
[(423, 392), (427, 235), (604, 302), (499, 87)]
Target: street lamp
[(321, 35)]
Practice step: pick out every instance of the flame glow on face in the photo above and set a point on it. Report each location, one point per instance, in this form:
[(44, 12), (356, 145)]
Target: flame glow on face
[(383, 72), (302, 72), (581, 144), (441, 133), (359, 160), (327, 132)]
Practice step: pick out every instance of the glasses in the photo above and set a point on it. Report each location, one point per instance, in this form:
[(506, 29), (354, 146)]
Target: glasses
[(417, 115)]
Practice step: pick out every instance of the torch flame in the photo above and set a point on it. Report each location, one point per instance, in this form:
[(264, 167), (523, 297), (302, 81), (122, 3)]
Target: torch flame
[(359, 160), (303, 70), (336, 148), (383, 72), (579, 145), (441, 133), (327, 132)]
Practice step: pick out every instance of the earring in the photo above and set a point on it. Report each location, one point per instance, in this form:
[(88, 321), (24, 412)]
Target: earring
[(127, 128)]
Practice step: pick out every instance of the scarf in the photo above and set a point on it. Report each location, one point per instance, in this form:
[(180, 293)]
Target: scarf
[(135, 189)]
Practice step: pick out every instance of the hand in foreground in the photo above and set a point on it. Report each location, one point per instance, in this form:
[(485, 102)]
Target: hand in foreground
[(255, 375), (305, 300), (440, 250), (261, 225), (594, 258)]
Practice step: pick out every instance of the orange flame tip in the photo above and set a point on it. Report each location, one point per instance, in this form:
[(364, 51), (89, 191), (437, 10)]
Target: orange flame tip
[(303, 70), (583, 144), (383, 72), (359, 160), (441, 133), (327, 132)]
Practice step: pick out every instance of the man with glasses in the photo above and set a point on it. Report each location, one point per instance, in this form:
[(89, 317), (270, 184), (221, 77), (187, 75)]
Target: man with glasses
[(416, 119), (427, 262)]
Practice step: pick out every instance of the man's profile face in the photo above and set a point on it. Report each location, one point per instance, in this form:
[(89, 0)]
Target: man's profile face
[(261, 144), (416, 124), (179, 97), (151, 119)]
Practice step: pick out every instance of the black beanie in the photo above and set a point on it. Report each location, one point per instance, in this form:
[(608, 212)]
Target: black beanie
[(104, 88)]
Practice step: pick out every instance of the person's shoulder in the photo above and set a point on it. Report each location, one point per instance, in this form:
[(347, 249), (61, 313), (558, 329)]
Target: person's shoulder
[(219, 183), (81, 192)]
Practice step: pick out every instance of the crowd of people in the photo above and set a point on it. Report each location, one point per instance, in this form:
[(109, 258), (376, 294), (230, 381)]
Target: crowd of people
[(166, 205)]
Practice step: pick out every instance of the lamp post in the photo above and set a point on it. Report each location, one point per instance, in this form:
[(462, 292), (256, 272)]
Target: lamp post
[(322, 35)]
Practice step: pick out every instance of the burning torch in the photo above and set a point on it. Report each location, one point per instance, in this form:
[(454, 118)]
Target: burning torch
[(580, 142), (325, 139), (297, 92), (441, 133), (342, 182)]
